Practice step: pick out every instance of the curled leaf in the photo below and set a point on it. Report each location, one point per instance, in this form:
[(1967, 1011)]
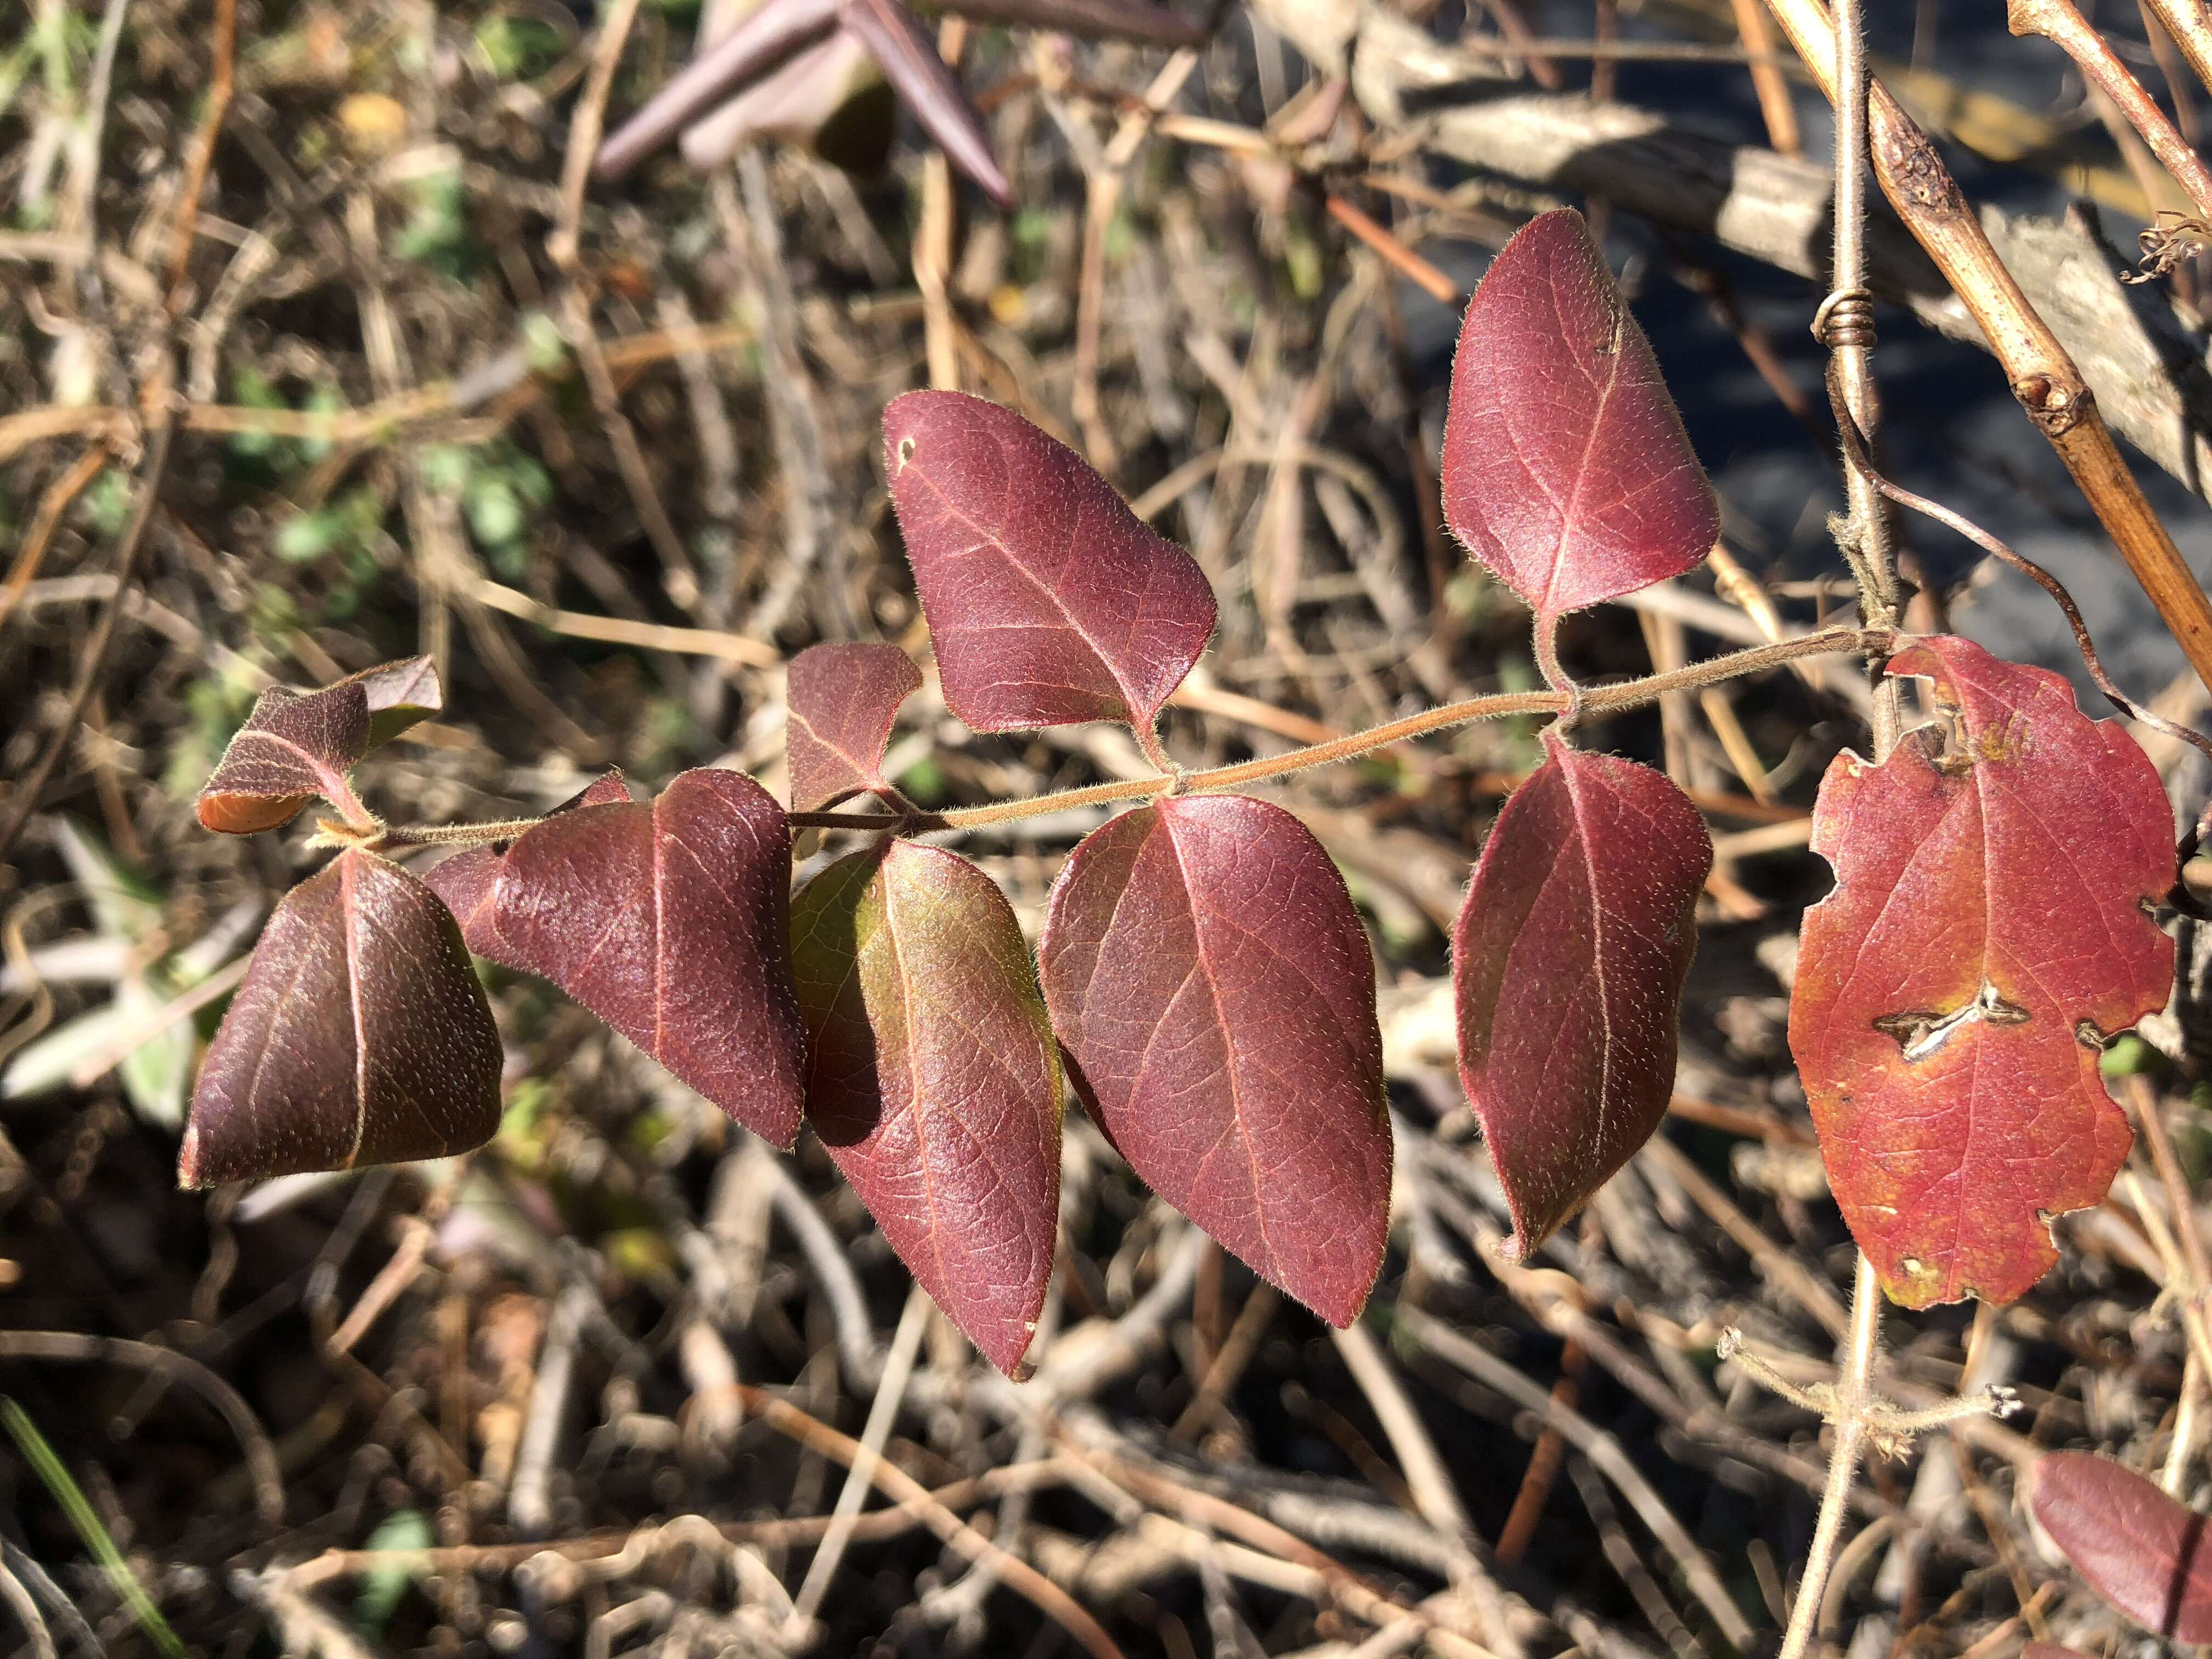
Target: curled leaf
[(399, 694), (359, 1036), (2138, 1548), (766, 38), (1989, 932), (842, 699), (296, 745), (1050, 602), (293, 747), (932, 1078), (1566, 469), (670, 920), (1211, 984), (1568, 966)]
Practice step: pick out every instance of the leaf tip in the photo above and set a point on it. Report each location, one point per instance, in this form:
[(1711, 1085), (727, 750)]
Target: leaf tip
[(190, 1177)]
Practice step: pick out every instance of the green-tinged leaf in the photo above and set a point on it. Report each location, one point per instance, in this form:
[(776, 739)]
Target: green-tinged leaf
[(934, 1079)]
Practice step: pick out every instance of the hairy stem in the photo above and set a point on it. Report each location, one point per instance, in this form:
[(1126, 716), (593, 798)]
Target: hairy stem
[(1848, 314), (1854, 1393), (1595, 700), (391, 837)]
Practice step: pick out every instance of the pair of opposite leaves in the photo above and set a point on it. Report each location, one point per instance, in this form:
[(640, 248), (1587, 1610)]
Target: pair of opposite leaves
[(1202, 968)]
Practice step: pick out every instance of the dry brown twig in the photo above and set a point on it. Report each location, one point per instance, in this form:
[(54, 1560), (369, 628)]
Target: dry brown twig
[(2042, 375), (2061, 22)]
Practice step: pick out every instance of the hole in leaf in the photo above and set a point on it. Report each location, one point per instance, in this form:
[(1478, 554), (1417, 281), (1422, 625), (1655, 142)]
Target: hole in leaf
[(1922, 1035)]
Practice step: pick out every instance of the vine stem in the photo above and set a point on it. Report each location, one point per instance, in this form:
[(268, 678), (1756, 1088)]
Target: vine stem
[(1595, 699), (1845, 324), (1854, 1396)]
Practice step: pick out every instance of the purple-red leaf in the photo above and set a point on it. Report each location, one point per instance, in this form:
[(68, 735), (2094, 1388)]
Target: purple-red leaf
[(358, 1036), (296, 745), (1566, 470), (932, 1078), (769, 37), (842, 699), (2138, 1548), (399, 694), (831, 96), (1568, 966), (670, 920), (907, 53), (1988, 932), (466, 881), (1209, 980), (1050, 602)]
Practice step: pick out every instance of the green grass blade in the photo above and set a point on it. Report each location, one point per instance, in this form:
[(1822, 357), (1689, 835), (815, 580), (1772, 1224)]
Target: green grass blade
[(67, 1493)]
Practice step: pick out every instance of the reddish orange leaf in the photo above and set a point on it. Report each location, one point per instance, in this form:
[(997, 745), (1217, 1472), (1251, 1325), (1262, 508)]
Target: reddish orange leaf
[(1568, 966), (1989, 931), (1566, 470), (359, 1036), (1050, 602), (842, 699), (1209, 982), (670, 920), (2138, 1548), (934, 1079)]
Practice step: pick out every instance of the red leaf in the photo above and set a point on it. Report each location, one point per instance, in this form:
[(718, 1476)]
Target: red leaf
[(842, 699), (1050, 602), (670, 920), (1209, 982), (296, 745), (2138, 1548), (466, 881), (1566, 467), (1567, 966), (934, 1079), (1989, 930), (358, 1036)]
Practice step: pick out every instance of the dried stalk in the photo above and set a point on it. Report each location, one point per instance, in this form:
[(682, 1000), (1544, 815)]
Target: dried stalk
[(2191, 29), (2061, 22), (2043, 376)]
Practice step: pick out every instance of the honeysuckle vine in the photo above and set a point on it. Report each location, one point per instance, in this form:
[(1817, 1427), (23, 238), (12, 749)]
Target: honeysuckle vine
[(1203, 983)]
